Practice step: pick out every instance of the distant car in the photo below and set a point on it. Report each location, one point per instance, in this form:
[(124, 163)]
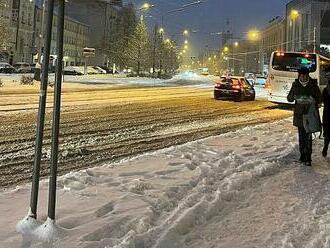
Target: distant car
[(7, 68), (22, 67), (100, 70), (234, 88), (105, 68), (260, 81), (69, 70), (251, 77)]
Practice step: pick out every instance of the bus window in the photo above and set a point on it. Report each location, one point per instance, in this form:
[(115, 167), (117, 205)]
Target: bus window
[(324, 69), (293, 61)]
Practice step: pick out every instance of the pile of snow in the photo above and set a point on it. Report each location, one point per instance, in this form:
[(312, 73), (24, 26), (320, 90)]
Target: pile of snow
[(240, 189)]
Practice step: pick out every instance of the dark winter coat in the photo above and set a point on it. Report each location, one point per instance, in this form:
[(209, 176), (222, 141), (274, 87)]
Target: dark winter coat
[(326, 111), (297, 91)]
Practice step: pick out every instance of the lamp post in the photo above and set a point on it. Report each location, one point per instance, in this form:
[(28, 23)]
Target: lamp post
[(255, 36), (161, 32), (235, 45), (294, 15)]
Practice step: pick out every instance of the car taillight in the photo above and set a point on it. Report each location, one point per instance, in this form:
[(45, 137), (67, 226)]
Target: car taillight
[(237, 87)]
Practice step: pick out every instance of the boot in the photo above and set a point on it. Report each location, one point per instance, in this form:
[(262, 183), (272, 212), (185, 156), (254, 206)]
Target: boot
[(308, 161), (302, 158), (325, 151)]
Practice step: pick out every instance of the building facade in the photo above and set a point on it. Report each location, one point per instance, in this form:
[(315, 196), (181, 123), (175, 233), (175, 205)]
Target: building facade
[(20, 46), (76, 38), (308, 24), (101, 16), (273, 38), (5, 21)]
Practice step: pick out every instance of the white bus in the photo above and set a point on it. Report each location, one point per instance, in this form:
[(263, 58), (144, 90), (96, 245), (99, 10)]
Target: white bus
[(283, 69)]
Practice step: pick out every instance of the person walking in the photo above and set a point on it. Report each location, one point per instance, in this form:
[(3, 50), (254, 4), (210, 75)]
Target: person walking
[(304, 92), (326, 116)]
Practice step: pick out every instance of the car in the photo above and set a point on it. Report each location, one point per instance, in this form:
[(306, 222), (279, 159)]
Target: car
[(251, 77), (70, 70), (7, 68), (33, 68), (260, 81), (22, 67), (234, 88), (100, 70)]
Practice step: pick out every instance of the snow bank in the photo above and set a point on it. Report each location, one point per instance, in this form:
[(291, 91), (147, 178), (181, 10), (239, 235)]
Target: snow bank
[(220, 191)]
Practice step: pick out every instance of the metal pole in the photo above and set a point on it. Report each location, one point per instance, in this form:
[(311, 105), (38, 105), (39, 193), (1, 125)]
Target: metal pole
[(154, 52), (41, 34), (41, 114), (161, 55), (56, 112), (314, 39)]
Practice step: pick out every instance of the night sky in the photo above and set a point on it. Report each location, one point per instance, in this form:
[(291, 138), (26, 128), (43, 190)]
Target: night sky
[(211, 16)]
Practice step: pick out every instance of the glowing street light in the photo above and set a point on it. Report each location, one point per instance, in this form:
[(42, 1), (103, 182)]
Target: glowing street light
[(294, 14), (167, 41), (186, 42), (186, 47), (236, 44), (146, 6), (253, 35), (161, 30), (185, 32), (226, 49)]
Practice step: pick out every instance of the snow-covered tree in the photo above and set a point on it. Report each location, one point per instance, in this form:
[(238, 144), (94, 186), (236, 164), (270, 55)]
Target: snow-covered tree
[(139, 49), (169, 56), (125, 27)]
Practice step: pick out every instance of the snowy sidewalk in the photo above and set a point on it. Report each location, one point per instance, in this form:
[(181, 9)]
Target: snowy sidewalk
[(240, 189)]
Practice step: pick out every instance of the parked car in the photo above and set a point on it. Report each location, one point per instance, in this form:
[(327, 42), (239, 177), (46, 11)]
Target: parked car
[(251, 77), (7, 68), (70, 70), (100, 70), (234, 88), (33, 68), (22, 67)]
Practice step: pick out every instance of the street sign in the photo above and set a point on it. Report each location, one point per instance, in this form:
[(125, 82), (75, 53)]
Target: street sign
[(89, 52)]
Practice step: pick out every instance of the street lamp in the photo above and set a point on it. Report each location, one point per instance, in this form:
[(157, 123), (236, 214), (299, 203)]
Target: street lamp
[(253, 35), (294, 15), (226, 49), (186, 32), (186, 42), (146, 6)]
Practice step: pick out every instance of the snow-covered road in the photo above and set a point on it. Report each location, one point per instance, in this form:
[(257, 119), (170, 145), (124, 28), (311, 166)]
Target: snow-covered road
[(240, 189)]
